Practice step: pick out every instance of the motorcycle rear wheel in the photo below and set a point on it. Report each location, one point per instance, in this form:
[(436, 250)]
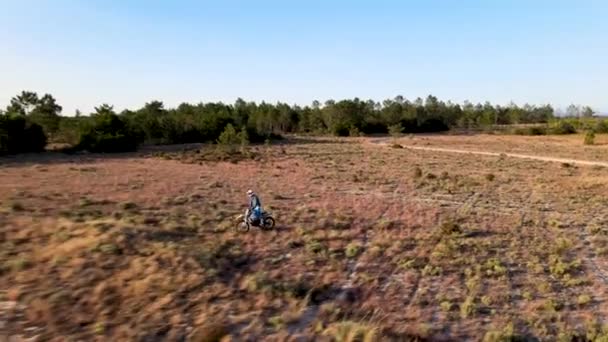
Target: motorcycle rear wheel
[(268, 223)]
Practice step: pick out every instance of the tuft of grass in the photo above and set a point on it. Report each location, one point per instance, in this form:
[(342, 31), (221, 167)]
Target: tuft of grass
[(589, 138), (494, 267), (562, 245), (552, 305), (543, 287), (559, 268), (595, 331), (594, 229), (486, 300), (505, 334), (468, 308), (430, 270), (315, 247), (490, 177), (446, 305), (473, 283), (99, 328), (450, 227), (417, 172), (349, 331), (583, 299), (276, 322), (128, 206), (353, 250)]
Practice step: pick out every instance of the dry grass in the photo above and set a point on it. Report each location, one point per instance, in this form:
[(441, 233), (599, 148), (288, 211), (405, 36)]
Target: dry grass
[(372, 243), (560, 146)]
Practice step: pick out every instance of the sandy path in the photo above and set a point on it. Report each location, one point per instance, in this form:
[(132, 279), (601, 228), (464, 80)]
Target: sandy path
[(498, 154)]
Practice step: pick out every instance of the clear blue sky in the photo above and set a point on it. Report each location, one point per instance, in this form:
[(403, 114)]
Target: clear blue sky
[(87, 52)]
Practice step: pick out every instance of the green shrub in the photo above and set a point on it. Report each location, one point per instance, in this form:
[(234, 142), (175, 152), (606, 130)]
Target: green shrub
[(341, 130), (69, 130), (230, 140), (562, 127), (244, 139), (106, 133), (530, 131), (395, 130), (354, 132), (229, 137), (18, 135), (589, 138), (601, 126)]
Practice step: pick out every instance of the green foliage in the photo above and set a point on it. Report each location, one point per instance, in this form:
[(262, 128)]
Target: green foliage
[(107, 133), (535, 130), (43, 111), (229, 137), (589, 138), (69, 130), (395, 130), (46, 114), (257, 122), (601, 126), (20, 135), (243, 139), (562, 127), (230, 140), (354, 132), (494, 267), (557, 126)]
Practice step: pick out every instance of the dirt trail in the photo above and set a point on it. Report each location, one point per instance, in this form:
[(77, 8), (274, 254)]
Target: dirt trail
[(498, 154)]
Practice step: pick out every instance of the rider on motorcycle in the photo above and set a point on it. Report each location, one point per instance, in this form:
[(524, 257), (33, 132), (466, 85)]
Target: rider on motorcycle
[(255, 207)]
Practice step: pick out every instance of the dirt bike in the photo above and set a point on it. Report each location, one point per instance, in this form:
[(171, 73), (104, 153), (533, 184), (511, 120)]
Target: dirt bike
[(244, 222)]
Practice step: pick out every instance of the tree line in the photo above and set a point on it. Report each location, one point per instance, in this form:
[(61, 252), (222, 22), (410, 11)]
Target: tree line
[(31, 121)]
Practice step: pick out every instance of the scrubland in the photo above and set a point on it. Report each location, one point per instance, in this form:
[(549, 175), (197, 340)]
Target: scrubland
[(372, 243)]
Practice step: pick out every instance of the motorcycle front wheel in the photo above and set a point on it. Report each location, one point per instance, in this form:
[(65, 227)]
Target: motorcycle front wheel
[(242, 227)]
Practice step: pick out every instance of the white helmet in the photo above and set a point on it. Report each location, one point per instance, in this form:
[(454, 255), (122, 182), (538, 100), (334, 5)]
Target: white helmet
[(249, 192)]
